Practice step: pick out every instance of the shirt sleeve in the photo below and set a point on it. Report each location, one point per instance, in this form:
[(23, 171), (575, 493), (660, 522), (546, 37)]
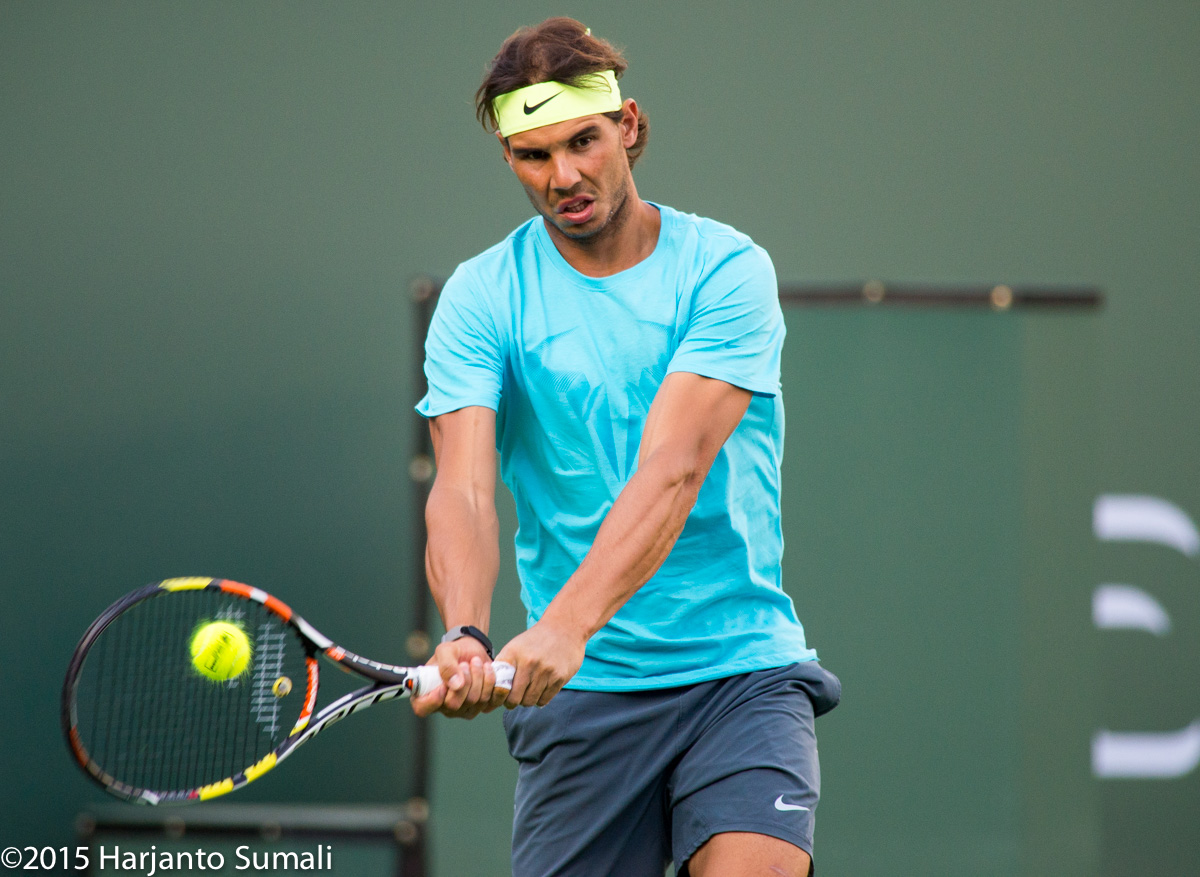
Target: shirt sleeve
[(735, 330), (463, 352)]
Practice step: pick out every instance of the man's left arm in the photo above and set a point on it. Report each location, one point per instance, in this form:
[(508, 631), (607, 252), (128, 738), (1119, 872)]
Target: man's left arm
[(689, 421)]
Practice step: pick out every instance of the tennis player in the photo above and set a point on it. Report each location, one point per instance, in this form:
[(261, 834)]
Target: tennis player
[(624, 359)]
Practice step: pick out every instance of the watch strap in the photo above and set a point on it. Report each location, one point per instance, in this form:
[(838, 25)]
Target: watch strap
[(459, 631)]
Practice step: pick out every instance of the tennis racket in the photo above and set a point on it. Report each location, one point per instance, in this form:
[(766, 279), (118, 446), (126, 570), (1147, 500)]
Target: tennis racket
[(149, 728)]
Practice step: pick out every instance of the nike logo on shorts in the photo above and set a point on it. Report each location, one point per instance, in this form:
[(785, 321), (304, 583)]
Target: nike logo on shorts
[(779, 805)]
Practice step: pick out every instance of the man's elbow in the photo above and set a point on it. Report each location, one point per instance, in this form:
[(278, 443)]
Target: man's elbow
[(455, 503), (680, 469)]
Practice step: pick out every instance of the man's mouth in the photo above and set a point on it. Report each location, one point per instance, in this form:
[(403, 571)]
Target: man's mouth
[(577, 209)]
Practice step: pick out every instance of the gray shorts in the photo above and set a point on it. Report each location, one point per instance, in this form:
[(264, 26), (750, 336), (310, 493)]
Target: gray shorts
[(624, 782)]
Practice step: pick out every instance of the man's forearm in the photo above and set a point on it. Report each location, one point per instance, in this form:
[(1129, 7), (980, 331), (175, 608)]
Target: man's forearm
[(462, 556), (633, 541)]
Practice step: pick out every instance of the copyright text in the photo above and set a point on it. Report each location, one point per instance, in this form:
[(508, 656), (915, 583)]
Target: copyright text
[(153, 861)]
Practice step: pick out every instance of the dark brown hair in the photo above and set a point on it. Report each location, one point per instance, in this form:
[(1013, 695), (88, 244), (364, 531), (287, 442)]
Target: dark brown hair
[(558, 50)]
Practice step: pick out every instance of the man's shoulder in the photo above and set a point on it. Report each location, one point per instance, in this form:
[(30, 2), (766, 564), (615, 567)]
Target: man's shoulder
[(504, 254), (711, 236), (715, 247)]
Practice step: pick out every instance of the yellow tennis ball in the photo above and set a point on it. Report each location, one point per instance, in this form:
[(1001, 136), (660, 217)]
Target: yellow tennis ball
[(221, 650)]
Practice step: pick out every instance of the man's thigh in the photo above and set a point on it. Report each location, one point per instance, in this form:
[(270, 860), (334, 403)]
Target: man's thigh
[(621, 783), (591, 784), (744, 854), (751, 766)]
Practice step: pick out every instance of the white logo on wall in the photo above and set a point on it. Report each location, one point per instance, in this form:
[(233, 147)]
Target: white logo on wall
[(1132, 518)]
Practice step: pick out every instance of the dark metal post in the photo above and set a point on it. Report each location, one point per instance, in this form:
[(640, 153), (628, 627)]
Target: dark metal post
[(419, 645)]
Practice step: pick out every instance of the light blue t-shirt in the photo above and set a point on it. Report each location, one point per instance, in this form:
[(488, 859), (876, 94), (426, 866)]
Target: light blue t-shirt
[(570, 364)]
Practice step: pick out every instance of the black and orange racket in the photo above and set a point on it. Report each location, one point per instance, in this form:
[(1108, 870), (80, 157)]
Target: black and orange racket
[(151, 728)]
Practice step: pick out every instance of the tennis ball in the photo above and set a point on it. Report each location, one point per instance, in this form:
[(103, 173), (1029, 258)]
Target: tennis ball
[(220, 650)]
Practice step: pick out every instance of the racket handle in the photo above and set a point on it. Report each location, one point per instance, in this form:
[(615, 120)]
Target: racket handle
[(429, 677)]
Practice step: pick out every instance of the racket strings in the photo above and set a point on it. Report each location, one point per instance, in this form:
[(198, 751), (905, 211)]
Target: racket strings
[(152, 721)]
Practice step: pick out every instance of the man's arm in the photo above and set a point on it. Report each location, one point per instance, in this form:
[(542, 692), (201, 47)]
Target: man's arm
[(462, 556), (689, 421)]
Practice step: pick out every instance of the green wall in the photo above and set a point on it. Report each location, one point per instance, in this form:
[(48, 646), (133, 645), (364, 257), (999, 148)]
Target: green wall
[(209, 215)]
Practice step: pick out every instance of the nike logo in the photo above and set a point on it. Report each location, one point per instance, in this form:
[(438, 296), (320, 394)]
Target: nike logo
[(779, 805), (532, 109)]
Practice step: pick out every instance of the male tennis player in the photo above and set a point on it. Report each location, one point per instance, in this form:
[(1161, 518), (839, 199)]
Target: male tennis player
[(624, 358)]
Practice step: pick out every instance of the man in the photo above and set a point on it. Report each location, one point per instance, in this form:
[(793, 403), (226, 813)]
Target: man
[(624, 358)]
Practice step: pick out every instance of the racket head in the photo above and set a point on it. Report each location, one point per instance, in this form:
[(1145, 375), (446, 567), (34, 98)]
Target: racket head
[(146, 725)]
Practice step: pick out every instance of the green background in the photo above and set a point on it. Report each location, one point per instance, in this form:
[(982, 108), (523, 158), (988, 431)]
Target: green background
[(209, 218)]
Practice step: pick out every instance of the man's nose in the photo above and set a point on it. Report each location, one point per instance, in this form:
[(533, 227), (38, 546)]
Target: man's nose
[(563, 173)]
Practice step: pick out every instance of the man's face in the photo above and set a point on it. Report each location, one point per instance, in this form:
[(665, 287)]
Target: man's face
[(576, 173)]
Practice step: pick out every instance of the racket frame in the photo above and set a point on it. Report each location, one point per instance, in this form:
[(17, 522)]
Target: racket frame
[(390, 682)]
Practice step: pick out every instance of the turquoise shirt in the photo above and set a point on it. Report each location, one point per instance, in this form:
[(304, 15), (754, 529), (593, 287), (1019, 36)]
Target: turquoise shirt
[(570, 364)]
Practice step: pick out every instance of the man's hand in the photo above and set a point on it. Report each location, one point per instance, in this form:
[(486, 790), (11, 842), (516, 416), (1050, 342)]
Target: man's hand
[(468, 682), (545, 657)]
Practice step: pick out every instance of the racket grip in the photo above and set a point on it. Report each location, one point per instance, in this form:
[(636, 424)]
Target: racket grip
[(429, 677)]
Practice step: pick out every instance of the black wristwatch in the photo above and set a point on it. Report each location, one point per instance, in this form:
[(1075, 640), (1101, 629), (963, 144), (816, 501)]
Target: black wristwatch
[(474, 632)]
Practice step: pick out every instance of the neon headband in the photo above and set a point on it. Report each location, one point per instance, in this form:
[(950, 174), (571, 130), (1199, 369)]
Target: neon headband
[(548, 103)]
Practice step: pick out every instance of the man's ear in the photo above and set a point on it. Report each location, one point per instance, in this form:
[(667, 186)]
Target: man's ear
[(629, 122), (504, 146)]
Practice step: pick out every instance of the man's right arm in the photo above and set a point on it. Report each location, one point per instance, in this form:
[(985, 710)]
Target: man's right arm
[(462, 556)]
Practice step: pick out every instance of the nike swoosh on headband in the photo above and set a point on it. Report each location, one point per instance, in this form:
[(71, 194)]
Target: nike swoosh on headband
[(532, 109)]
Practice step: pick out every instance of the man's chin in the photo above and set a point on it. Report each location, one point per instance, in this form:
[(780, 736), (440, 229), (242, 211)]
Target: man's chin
[(578, 231)]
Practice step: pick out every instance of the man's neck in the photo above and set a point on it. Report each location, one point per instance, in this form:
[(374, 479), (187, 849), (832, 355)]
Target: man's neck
[(627, 241)]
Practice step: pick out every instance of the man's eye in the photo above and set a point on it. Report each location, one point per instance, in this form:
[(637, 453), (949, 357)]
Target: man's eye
[(584, 141)]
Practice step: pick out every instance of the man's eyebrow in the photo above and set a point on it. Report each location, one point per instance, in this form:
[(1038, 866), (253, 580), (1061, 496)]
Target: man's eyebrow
[(589, 131)]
